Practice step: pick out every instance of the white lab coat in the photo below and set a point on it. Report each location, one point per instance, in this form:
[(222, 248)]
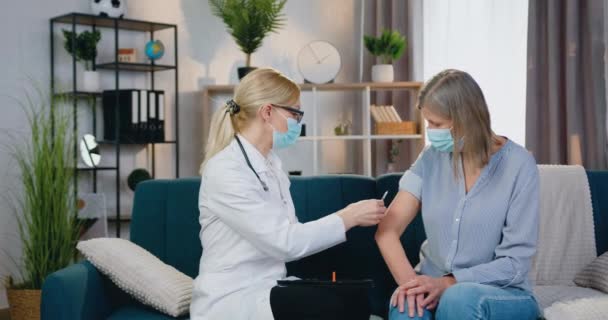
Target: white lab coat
[(248, 234)]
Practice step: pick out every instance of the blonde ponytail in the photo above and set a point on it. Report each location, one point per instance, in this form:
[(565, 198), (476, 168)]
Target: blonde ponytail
[(259, 88), (221, 134)]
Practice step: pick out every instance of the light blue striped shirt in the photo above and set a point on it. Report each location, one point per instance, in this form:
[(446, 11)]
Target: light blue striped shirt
[(487, 235)]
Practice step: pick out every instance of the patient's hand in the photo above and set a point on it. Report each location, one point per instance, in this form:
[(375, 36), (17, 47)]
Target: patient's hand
[(431, 288), (414, 303)]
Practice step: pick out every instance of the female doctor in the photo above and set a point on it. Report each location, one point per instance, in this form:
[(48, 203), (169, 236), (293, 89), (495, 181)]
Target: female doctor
[(248, 224)]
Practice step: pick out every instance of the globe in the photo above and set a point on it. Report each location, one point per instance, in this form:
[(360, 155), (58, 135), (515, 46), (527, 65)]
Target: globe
[(155, 49)]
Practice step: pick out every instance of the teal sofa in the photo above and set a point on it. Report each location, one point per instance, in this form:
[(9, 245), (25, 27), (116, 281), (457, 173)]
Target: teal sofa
[(165, 222)]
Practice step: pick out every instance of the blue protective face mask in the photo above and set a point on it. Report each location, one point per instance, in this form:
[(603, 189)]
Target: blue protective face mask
[(281, 140), (441, 139)]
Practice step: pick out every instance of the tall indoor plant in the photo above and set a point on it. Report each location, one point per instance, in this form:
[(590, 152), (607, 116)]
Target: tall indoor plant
[(389, 46), (249, 22), (83, 47), (45, 207)]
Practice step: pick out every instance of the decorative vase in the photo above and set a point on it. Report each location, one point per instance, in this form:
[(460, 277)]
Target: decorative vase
[(24, 304), (243, 71), (383, 73), (91, 81), (391, 167)]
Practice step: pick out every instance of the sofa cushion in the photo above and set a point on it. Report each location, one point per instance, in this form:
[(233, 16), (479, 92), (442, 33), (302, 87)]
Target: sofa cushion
[(548, 295), (138, 312), (140, 273), (595, 275), (595, 308)]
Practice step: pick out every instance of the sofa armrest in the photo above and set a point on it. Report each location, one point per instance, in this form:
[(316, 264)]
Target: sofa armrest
[(76, 292)]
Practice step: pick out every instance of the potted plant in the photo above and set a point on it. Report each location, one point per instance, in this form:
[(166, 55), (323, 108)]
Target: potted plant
[(249, 22), (136, 176), (45, 208), (389, 46), (85, 45), (393, 155)]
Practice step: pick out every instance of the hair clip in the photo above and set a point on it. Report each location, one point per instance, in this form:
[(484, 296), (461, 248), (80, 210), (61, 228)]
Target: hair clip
[(233, 107)]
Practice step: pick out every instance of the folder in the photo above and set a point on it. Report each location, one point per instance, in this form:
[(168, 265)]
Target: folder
[(161, 116)]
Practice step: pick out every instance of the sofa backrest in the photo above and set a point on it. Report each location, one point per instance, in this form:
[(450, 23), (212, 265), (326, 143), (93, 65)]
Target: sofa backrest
[(359, 257), (165, 222), (598, 184)]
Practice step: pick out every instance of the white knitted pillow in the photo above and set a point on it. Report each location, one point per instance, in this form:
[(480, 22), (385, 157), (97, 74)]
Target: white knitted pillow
[(595, 308), (141, 274)]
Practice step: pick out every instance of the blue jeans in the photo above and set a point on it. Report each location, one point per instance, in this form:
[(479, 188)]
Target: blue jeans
[(464, 301)]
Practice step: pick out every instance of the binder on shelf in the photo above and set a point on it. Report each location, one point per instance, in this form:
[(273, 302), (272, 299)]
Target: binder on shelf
[(160, 133), (128, 104), (143, 117), (135, 112), (156, 116), (152, 118)]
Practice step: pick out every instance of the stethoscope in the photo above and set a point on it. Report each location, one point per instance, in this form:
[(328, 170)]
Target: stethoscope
[(264, 185)]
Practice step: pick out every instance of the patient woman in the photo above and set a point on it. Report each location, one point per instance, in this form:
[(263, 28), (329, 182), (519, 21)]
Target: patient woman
[(249, 228), (479, 195)]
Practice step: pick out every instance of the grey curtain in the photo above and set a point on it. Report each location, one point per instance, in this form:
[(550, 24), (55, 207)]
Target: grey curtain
[(566, 87), (391, 14)]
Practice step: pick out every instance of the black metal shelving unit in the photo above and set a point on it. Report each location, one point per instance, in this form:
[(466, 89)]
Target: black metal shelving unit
[(81, 19)]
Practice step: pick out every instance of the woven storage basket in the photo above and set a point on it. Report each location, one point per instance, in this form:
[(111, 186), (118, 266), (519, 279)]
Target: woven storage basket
[(393, 128), (24, 304)]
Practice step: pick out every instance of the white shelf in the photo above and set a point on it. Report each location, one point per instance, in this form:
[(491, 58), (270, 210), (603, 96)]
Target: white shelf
[(316, 137), (373, 86), (363, 137)]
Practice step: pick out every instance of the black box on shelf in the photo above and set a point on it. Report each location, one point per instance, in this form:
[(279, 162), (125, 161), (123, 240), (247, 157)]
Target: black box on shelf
[(141, 115)]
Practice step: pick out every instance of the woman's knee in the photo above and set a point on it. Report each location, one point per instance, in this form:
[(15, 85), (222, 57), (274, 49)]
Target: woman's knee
[(460, 301), (395, 314), (461, 293)]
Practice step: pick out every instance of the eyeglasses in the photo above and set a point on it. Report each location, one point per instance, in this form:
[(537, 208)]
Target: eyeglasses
[(297, 114)]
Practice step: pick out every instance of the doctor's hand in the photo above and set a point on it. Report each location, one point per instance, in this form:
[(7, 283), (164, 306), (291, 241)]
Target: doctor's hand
[(363, 213)]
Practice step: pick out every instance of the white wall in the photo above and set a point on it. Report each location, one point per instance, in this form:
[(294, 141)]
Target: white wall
[(488, 39)]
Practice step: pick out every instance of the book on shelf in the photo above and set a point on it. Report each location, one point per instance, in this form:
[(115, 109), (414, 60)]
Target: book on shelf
[(385, 114), (388, 121)]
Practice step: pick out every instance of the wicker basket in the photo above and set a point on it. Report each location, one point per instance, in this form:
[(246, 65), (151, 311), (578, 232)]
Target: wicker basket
[(395, 128), (24, 304)]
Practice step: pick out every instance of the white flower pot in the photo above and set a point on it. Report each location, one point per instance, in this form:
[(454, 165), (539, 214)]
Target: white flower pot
[(391, 167), (90, 81), (383, 73)]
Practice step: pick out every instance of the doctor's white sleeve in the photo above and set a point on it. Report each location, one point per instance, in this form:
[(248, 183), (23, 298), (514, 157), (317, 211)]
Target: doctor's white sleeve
[(239, 203)]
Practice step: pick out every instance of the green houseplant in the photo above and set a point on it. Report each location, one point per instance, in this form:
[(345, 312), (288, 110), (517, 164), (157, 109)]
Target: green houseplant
[(45, 208), (83, 47), (136, 176), (393, 155), (249, 22), (389, 46)]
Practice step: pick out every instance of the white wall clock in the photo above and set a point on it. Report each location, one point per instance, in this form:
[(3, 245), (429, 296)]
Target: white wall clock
[(319, 62)]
